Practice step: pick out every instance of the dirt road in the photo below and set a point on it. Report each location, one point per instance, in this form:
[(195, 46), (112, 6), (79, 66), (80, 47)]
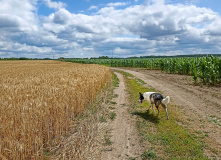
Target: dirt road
[(124, 135), (200, 106)]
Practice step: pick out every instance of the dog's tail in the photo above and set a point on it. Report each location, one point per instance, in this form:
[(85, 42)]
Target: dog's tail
[(166, 100)]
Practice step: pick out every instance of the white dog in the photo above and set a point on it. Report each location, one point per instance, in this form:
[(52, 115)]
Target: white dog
[(155, 98)]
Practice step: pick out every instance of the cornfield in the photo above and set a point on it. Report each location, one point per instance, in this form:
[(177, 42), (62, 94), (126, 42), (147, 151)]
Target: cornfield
[(206, 70), (39, 100)]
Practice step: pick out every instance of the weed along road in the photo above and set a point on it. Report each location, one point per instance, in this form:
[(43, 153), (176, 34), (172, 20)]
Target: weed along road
[(193, 131)]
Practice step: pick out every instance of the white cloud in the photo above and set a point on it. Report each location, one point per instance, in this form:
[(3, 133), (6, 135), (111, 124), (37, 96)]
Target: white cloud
[(93, 8), (154, 28), (18, 15), (191, 2), (120, 51), (117, 4), (55, 5), (62, 16)]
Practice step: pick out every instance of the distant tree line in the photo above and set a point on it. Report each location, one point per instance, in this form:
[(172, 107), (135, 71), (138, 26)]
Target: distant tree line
[(180, 56), (24, 58)]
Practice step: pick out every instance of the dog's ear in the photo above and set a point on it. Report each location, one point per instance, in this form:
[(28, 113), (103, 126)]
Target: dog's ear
[(140, 93)]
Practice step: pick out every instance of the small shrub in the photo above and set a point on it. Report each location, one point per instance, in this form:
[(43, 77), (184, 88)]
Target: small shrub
[(148, 155)]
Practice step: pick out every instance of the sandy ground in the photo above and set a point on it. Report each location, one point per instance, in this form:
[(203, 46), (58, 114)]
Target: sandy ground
[(200, 106), (124, 135)]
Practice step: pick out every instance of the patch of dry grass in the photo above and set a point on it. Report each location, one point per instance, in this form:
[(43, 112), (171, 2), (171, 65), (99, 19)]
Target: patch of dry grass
[(86, 138)]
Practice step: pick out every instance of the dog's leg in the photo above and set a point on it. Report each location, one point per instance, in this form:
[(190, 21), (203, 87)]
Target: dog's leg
[(165, 108), (153, 109), (149, 108), (166, 112), (158, 110)]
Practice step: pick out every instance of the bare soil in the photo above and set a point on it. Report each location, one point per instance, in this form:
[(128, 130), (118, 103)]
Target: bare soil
[(200, 107), (124, 135)]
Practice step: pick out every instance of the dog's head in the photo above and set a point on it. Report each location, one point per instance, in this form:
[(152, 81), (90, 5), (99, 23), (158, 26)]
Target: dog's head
[(141, 99)]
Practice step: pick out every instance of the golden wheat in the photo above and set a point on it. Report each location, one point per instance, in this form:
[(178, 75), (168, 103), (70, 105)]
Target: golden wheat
[(39, 100)]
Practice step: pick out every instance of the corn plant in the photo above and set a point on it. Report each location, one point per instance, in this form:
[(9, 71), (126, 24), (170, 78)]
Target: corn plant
[(205, 69)]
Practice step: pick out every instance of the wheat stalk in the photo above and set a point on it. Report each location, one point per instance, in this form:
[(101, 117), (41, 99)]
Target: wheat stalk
[(38, 102)]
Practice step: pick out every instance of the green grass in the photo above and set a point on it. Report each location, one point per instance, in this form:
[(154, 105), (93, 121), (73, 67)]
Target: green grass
[(126, 74), (112, 116), (149, 155), (103, 119), (214, 119), (176, 141), (141, 81), (115, 81), (107, 141), (111, 102)]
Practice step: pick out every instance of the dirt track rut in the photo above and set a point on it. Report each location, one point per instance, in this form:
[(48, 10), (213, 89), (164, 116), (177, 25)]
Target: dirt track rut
[(124, 135)]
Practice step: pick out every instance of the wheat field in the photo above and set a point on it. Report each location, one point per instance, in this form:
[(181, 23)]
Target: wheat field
[(39, 100)]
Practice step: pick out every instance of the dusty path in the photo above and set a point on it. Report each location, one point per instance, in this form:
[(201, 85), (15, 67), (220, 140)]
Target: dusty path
[(201, 106), (124, 135)]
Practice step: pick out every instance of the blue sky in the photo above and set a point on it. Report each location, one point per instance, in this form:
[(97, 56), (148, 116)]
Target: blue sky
[(83, 6), (93, 28)]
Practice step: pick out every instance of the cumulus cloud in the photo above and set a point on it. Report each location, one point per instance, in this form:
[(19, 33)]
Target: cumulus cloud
[(18, 15), (154, 27), (167, 24), (61, 17), (55, 5), (21, 31)]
